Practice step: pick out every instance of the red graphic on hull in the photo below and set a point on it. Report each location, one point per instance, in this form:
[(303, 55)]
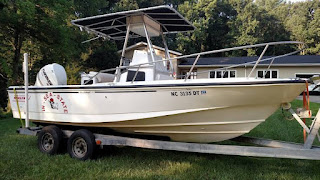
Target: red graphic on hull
[(20, 98), (55, 101)]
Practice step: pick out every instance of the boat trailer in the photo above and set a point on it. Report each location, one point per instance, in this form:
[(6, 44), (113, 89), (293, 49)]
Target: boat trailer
[(268, 148)]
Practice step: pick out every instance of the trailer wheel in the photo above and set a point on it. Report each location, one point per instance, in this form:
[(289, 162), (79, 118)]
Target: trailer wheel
[(81, 144), (49, 139)]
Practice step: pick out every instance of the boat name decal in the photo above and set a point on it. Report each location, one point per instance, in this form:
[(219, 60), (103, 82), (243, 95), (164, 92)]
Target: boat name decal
[(55, 101), (20, 98), (188, 93)]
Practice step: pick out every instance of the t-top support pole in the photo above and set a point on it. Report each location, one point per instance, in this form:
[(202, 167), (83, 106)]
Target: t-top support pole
[(167, 52), (125, 42), (150, 46), (118, 70), (26, 83)]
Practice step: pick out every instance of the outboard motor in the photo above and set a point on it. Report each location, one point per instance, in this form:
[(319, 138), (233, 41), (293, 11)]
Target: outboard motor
[(51, 75)]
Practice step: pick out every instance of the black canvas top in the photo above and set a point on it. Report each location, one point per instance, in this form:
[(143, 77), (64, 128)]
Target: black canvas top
[(227, 61), (113, 25)]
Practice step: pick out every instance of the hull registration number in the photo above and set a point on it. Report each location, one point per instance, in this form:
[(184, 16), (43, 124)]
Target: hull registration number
[(188, 93)]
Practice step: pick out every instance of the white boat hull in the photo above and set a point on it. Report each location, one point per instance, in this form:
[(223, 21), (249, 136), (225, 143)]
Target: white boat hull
[(196, 111)]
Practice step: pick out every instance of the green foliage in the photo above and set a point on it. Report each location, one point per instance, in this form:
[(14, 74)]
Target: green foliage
[(314, 31), (100, 58), (222, 24), (73, 73), (3, 92), (124, 5), (42, 22), (211, 20), (84, 8), (303, 24)]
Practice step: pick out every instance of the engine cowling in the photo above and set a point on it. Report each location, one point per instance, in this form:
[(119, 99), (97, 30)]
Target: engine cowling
[(51, 75)]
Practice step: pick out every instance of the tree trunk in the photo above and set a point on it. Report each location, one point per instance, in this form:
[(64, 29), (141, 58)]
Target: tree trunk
[(16, 59)]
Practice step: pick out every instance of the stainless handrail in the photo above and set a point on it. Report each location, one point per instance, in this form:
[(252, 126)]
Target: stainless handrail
[(260, 57), (194, 63), (135, 74), (252, 62)]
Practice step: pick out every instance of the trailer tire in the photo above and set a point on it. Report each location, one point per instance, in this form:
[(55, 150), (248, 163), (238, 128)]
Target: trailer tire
[(81, 145), (49, 139)]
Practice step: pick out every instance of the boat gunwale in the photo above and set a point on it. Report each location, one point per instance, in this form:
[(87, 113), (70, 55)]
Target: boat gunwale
[(196, 84)]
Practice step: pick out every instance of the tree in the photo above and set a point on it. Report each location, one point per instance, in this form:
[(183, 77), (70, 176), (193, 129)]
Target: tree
[(314, 32), (84, 8), (254, 23), (104, 56), (303, 25), (42, 24), (211, 21)]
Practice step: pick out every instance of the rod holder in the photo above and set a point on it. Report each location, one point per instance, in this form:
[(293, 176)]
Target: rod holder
[(26, 83)]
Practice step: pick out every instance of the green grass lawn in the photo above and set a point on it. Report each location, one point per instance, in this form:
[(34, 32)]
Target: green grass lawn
[(20, 159)]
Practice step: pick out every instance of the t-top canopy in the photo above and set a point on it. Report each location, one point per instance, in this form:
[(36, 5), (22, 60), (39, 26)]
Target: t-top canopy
[(114, 25)]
